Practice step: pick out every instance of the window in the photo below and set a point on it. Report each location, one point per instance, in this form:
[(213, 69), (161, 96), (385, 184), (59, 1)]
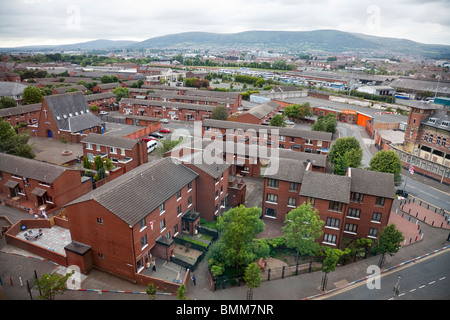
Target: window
[(122, 152), (356, 197), (376, 216), (175, 230), (272, 198), (293, 186), (272, 183), (373, 232), (425, 137), (311, 201), (332, 223), (162, 208), (353, 213), (379, 201), (438, 140), (350, 227), (444, 140), (430, 139), (271, 212), (144, 241), (162, 225), (178, 194), (100, 256), (308, 141), (98, 147), (142, 223), (329, 238), (189, 201), (292, 202), (179, 210), (189, 186), (217, 195), (89, 145), (335, 206), (99, 220), (113, 150)]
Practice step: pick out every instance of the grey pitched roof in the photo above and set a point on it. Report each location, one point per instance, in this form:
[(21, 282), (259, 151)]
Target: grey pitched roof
[(8, 89), (135, 194), (326, 186), (109, 85), (375, 183), (263, 109), (436, 120), (65, 88), (287, 170), (156, 103), (212, 168), (6, 112), (102, 95), (32, 169), (288, 132), (110, 141), (71, 112)]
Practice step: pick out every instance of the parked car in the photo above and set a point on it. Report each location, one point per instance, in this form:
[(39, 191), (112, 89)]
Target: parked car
[(289, 122), (164, 121), (402, 193), (156, 135), (165, 130), (147, 139), (103, 112), (151, 145)]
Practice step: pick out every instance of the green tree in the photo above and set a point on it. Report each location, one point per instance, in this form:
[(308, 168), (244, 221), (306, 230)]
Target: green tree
[(326, 124), (239, 227), (278, 121), (13, 143), (302, 227), (332, 257), (389, 242), (151, 290), (182, 292), (387, 161), (166, 145), (121, 92), (52, 284), (7, 102), (252, 277), (219, 113), (298, 111), (349, 150), (31, 95), (86, 163)]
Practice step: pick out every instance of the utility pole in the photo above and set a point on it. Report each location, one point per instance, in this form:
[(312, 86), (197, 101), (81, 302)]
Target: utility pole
[(409, 167)]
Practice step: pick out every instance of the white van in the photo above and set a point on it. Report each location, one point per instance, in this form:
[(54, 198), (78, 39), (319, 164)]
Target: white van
[(151, 145)]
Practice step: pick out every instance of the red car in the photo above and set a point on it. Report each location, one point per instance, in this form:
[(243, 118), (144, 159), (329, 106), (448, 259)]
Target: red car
[(147, 139), (164, 130)]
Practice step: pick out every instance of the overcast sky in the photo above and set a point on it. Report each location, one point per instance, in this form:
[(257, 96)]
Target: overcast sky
[(38, 22)]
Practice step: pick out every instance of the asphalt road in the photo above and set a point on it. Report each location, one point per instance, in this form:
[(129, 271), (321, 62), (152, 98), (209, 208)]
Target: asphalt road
[(425, 279), (426, 193)]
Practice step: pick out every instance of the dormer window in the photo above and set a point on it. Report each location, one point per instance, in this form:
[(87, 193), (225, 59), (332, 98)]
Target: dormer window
[(445, 123), (58, 118), (64, 116), (432, 120), (70, 114)]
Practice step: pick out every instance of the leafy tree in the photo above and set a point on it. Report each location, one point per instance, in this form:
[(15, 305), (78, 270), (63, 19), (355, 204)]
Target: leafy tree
[(13, 143), (302, 228), (72, 90), (166, 145), (151, 290), (181, 292), (349, 150), (387, 161), (7, 102), (86, 163), (332, 257), (298, 111), (252, 276), (120, 93), (326, 124), (31, 95), (389, 242), (52, 284), (219, 113), (239, 227), (277, 121)]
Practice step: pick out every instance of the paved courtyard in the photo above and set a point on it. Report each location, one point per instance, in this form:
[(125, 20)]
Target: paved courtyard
[(53, 239)]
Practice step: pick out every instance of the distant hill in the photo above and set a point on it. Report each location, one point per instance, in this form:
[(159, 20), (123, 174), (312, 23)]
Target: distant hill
[(326, 41), (100, 44), (330, 41)]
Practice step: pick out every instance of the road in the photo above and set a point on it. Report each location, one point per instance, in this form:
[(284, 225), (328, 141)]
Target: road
[(426, 193), (425, 279)]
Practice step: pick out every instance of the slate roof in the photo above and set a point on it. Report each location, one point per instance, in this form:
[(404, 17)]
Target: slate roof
[(79, 87), (440, 120), (110, 141), (102, 95), (9, 89), (375, 183), (288, 170), (213, 168), (7, 112), (71, 112), (326, 186), (135, 194), (109, 85), (288, 132), (29, 168), (263, 109), (156, 103)]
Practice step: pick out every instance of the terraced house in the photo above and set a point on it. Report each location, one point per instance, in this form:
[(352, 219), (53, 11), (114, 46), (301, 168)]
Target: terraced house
[(357, 205), (283, 138), (134, 217)]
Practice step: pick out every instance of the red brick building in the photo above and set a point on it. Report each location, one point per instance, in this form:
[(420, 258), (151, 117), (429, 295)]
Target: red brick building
[(260, 114), (357, 205), (67, 114), (123, 152), (134, 217), (35, 186), (28, 114), (104, 87), (284, 138)]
